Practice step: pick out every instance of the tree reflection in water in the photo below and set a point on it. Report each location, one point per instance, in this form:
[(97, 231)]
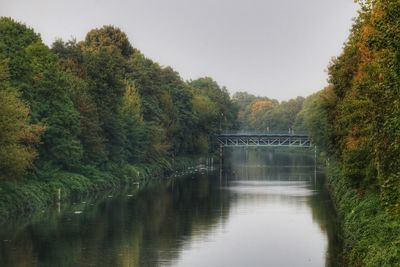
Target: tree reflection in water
[(167, 217)]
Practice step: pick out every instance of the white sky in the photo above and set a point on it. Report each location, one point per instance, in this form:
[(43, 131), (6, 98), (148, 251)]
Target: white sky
[(274, 48)]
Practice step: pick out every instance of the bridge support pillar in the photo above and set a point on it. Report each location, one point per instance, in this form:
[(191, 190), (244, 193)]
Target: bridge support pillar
[(315, 156)]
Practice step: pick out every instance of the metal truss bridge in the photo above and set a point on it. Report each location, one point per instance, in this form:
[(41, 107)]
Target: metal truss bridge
[(264, 139)]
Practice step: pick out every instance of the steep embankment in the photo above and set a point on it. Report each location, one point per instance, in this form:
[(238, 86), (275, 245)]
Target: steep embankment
[(371, 236)]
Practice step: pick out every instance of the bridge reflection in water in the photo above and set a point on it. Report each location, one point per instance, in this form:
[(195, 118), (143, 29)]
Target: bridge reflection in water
[(259, 139)]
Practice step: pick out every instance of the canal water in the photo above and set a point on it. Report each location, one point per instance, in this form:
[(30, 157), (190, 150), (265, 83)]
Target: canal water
[(262, 208)]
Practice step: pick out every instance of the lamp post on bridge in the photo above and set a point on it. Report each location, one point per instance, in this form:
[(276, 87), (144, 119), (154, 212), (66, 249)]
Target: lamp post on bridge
[(220, 122)]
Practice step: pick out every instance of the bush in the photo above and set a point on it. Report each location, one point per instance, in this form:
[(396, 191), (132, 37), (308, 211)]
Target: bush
[(40, 191), (371, 235)]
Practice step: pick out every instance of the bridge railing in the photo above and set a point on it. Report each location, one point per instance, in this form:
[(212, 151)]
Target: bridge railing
[(255, 133)]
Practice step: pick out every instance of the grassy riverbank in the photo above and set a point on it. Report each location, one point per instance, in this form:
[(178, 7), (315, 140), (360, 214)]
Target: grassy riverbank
[(371, 235), (24, 197)]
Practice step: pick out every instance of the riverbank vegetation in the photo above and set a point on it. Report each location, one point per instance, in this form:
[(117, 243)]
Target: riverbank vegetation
[(357, 116), (356, 120), (370, 234), (97, 108)]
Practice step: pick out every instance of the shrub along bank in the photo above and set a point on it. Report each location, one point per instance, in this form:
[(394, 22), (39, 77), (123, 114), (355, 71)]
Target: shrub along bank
[(40, 192), (371, 236)]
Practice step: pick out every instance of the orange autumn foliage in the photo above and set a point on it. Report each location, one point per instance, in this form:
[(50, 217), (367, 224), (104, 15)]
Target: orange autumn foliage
[(260, 105)]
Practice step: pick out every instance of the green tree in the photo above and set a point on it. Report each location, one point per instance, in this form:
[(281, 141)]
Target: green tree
[(18, 137), (227, 110), (35, 72), (147, 77), (131, 110), (91, 136), (109, 36), (105, 72), (182, 126), (314, 117)]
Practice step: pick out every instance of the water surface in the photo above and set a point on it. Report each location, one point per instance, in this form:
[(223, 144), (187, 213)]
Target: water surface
[(263, 208)]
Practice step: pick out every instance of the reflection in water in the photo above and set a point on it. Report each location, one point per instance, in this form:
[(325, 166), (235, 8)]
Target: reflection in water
[(266, 209)]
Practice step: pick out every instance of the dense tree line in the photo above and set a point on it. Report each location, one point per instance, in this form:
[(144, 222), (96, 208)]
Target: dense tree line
[(98, 102), (265, 114), (357, 117)]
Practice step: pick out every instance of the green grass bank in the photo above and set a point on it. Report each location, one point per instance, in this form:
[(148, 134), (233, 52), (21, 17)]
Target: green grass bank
[(38, 192), (371, 236)]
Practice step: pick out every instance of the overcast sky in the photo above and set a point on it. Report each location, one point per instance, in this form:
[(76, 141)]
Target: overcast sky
[(274, 48)]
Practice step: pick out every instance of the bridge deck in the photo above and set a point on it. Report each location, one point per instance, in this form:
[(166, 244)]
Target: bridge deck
[(264, 139)]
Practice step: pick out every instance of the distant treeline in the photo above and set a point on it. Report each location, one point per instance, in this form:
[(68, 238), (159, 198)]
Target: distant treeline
[(265, 114), (98, 102)]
